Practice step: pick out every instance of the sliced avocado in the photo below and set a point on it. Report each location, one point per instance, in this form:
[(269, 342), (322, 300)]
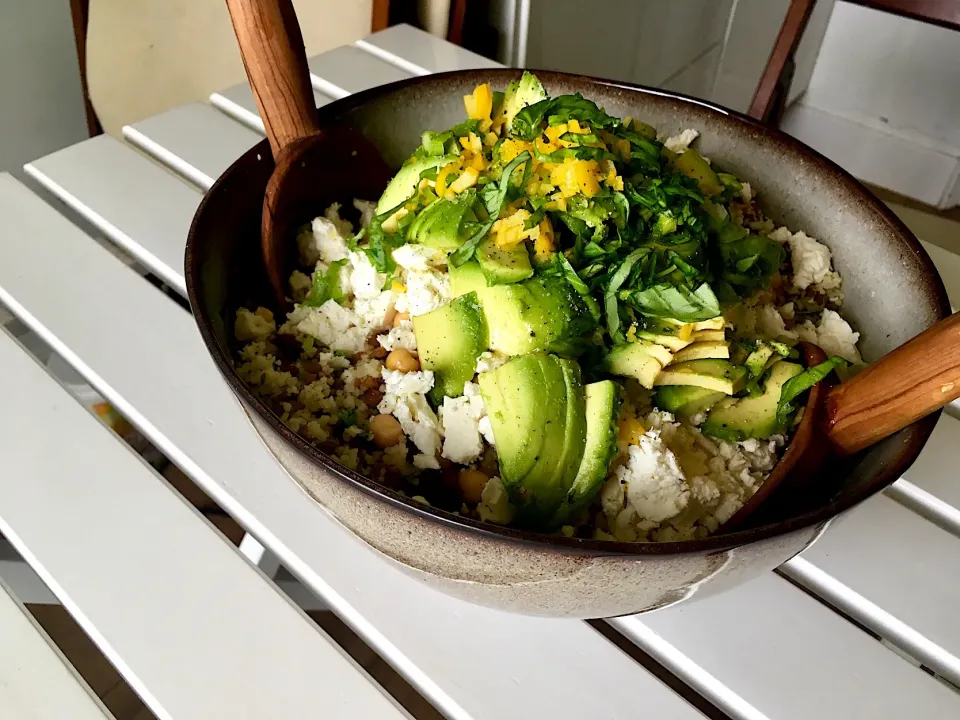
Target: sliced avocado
[(602, 408), (438, 225), (708, 336), (539, 314), (704, 351), (404, 183), (747, 417), (466, 278), (644, 130), (449, 341), (718, 375), (526, 92), (756, 361), (540, 439), (640, 360), (502, 266), (692, 164), (716, 323), (686, 400), (675, 337)]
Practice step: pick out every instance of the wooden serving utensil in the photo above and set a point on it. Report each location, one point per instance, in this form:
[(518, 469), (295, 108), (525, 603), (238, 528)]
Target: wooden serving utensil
[(314, 166), (839, 420)]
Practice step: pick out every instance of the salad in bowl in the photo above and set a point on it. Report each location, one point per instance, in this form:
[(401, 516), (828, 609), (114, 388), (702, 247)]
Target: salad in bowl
[(556, 320)]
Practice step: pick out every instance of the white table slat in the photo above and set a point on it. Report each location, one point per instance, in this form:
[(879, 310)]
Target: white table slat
[(421, 53), (195, 629), (769, 650), (470, 661), (36, 681), (125, 196), (237, 102), (169, 136), (349, 69)]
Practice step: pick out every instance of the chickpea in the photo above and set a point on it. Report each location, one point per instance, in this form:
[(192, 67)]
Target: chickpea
[(471, 484), (386, 431), (403, 360), (400, 317)]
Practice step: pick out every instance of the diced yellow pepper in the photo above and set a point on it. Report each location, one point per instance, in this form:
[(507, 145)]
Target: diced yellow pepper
[(543, 244), (480, 103), (686, 331), (508, 232), (555, 131), (575, 127), (398, 287), (557, 204), (443, 174), (467, 179), (631, 430), (575, 176), (510, 148)]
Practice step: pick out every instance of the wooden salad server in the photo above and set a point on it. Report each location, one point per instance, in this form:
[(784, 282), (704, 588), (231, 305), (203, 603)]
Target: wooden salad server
[(314, 166), (918, 378)]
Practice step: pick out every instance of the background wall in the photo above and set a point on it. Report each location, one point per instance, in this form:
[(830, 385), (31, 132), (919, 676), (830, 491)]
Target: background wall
[(41, 105)]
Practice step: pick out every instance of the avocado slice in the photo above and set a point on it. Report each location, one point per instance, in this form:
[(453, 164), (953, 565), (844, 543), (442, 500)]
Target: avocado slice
[(747, 417), (502, 266), (602, 408), (539, 314), (540, 439), (404, 183), (668, 334), (686, 400), (640, 360), (708, 336), (466, 278), (718, 375), (449, 341), (764, 356), (716, 323), (705, 350), (438, 225), (518, 95), (692, 164)]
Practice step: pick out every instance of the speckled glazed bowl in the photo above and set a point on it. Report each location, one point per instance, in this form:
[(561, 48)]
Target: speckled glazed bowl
[(892, 293)]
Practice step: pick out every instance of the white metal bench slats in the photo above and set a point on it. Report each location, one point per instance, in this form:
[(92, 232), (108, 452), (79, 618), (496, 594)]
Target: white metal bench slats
[(163, 380), (127, 197), (421, 53), (237, 102), (167, 599), (767, 649), (349, 69), (36, 681), (805, 622), (169, 136)]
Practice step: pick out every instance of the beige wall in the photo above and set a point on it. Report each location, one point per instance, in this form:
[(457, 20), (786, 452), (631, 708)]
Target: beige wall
[(145, 56)]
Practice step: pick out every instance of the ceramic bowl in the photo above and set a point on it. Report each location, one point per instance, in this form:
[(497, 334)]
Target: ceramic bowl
[(892, 293)]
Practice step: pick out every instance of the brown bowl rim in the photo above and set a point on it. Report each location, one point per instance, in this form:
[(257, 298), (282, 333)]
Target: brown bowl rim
[(919, 432)]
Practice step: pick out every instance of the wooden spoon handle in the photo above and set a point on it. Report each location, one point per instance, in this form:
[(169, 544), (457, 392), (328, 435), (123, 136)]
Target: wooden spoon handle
[(916, 379), (271, 46)]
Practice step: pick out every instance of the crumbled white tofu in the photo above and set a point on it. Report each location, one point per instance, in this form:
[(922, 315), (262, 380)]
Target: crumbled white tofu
[(461, 418), (654, 484), (418, 257), (365, 281), (494, 504), (334, 326), (489, 361), (679, 143), (400, 336), (367, 211), (405, 399), (833, 334), (253, 325), (426, 290)]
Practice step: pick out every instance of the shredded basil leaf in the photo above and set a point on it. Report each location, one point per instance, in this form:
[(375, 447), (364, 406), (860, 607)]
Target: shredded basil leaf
[(799, 384), (326, 285), (677, 302)]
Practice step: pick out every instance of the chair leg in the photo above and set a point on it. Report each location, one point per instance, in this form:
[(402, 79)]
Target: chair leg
[(79, 11)]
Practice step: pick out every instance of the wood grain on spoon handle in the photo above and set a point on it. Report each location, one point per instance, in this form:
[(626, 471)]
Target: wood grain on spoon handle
[(271, 45), (913, 381)]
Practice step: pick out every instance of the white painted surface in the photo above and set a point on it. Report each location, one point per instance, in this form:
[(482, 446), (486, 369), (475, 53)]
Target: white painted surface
[(237, 102), (36, 681), (349, 69), (193, 628), (42, 104), (470, 661), (418, 53)]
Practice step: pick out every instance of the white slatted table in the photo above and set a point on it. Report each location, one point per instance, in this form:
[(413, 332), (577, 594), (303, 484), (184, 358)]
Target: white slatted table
[(766, 650)]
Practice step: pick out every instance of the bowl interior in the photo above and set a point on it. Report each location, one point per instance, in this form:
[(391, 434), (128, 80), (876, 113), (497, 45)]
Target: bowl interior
[(892, 292)]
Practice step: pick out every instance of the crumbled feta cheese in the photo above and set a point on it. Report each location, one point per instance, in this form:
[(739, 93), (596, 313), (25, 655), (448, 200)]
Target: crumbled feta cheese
[(810, 259), (461, 417), (494, 504), (770, 324), (334, 326), (332, 214), (746, 192), (365, 281), (400, 336), (833, 334), (322, 243), (426, 290), (405, 399), (300, 285), (679, 143), (653, 482), (418, 257), (367, 211), (486, 429), (253, 325), (489, 361), (374, 310)]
